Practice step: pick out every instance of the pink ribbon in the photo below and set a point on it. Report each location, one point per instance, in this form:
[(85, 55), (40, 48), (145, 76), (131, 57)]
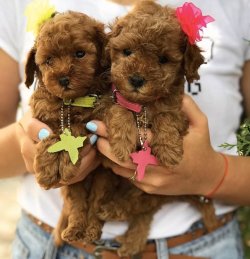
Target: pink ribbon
[(192, 21)]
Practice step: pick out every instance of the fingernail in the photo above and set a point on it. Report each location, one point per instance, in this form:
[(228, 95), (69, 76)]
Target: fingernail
[(91, 126), (43, 134), (93, 139)]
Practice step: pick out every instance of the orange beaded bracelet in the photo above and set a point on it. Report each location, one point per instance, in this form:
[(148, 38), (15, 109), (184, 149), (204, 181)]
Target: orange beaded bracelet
[(211, 193)]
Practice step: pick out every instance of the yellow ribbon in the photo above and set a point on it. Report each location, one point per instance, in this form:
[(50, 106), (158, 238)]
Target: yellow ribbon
[(37, 12)]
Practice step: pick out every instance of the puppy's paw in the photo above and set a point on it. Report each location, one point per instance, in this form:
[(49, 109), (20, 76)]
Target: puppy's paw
[(47, 174), (46, 165), (68, 173), (67, 169), (47, 181), (120, 152), (122, 145), (168, 157), (92, 234), (72, 234)]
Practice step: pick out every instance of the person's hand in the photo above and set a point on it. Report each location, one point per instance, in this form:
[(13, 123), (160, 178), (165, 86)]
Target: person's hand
[(30, 131), (199, 171)]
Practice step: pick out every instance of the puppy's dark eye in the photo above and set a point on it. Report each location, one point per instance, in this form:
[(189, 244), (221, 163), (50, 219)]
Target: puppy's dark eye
[(80, 53), (127, 52), (48, 61), (163, 59)]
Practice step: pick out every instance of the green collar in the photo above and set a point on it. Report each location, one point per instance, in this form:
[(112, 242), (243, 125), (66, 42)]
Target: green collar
[(86, 101)]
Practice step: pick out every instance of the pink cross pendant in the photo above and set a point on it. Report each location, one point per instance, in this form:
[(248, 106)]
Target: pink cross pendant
[(142, 159)]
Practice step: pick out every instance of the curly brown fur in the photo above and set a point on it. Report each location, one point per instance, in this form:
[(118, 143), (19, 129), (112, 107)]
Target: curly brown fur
[(67, 61), (149, 46)]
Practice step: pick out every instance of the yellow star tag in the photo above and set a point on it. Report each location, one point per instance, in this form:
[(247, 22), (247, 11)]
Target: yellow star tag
[(68, 143)]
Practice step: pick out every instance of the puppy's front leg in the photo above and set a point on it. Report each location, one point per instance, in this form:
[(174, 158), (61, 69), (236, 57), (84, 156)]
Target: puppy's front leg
[(167, 143), (122, 132), (46, 165), (66, 168)]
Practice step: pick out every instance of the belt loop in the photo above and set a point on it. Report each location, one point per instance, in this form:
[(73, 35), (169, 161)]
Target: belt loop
[(161, 248), (51, 249)]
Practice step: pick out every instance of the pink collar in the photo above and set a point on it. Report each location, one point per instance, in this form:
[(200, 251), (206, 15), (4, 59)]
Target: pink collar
[(135, 107)]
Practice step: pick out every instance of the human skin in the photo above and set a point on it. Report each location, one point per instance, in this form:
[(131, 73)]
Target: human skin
[(9, 143)]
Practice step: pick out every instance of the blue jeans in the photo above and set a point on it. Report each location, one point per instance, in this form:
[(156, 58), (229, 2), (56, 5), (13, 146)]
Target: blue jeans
[(32, 242)]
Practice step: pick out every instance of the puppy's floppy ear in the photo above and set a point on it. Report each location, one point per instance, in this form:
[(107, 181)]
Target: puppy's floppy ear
[(30, 67), (101, 41), (192, 61), (116, 28)]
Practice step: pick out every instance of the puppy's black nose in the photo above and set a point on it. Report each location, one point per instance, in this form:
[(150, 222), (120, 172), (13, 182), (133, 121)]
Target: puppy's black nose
[(64, 81), (136, 81)]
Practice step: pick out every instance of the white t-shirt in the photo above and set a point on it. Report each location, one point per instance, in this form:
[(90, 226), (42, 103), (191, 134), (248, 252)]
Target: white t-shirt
[(217, 93)]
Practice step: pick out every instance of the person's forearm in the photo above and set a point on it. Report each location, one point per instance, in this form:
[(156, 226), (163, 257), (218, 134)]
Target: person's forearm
[(236, 185), (11, 162)]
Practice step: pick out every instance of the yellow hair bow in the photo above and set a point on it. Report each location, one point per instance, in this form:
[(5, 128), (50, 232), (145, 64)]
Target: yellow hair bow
[(37, 12)]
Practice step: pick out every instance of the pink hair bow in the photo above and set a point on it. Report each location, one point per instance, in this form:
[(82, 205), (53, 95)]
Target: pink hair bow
[(192, 21)]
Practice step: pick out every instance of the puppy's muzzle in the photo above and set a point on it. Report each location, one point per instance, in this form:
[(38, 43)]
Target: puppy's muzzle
[(64, 81), (136, 81)]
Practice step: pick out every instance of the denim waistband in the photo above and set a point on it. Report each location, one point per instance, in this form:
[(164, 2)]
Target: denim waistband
[(34, 243)]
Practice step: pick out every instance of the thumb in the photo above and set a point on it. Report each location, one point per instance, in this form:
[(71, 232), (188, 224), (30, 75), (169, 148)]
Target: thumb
[(34, 128), (195, 116)]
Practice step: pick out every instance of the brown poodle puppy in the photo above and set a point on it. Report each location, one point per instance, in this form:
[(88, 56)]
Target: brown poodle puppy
[(66, 61), (150, 59)]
